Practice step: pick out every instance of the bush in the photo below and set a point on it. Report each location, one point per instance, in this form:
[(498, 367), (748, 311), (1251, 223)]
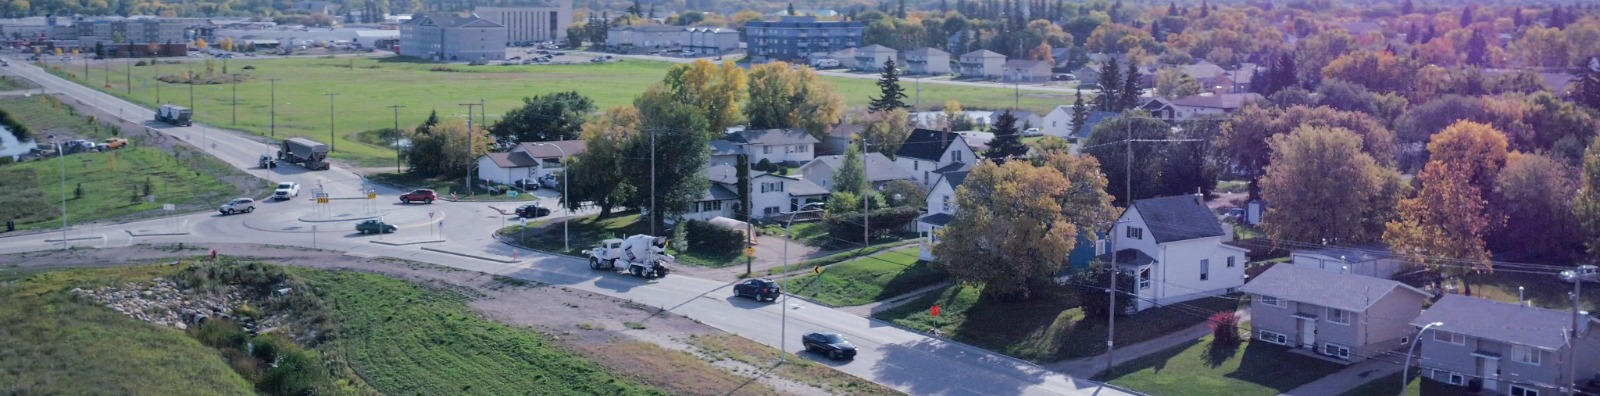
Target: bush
[(1225, 328), (766, 166), (847, 226), (711, 239)]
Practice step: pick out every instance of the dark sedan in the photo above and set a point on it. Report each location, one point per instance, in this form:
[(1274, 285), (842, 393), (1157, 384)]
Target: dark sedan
[(830, 344), (532, 211), (759, 289)]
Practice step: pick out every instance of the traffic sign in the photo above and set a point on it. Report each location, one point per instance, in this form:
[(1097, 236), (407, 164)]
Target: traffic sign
[(322, 200), (372, 195), (817, 270), (750, 251), (935, 310)]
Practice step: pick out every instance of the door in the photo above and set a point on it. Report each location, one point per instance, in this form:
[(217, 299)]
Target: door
[(1489, 370), (1308, 333)]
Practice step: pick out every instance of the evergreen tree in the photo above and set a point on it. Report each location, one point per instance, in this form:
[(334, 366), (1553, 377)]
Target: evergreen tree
[(889, 84), (636, 9), (1516, 17), (1007, 141), (1587, 91), (1110, 86), (427, 126), (1428, 36), (742, 182), (1155, 31), (1478, 49), (1205, 11), (1080, 113), (791, 9), (1466, 16), (1407, 8), (944, 7), (1131, 88), (652, 14), (1411, 35), (900, 10), (1172, 8)]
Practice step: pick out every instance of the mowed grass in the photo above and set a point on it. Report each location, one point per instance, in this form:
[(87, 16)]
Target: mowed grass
[(366, 86), (1202, 368), (1385, 385), (867, 279), (45, 114), (403, 339), (113, 185), (13, 83), (1047, 328), (52, 343)]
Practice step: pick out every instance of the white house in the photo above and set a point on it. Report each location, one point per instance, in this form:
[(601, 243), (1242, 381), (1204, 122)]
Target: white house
[(926, 153), (1373, 260), (871, 58), (770, 194), (719, 201), (880, 170), (792, 146), (941, 208), (982, 64), (1174, 246), (1058, 123), (527, 161), (1197, 106)]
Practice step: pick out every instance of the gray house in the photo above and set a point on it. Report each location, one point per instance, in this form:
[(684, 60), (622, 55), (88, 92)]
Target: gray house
[(1507, 349), (452, 38), (1023, 70), (880, 170), (926, 61), (981, 64), (871, 58), (1343, 316)]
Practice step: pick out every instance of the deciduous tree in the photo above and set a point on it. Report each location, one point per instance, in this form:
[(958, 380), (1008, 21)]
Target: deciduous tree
[(1443, 227), (785, 97), (1587, 205), (1010, 230), (885, 131), (681, 149), (1174, 83), (1106, 143), (447, 150), (596, 175), (1306, 207), (716, 89), (1478, 148), (1534, 193), (543, 118)]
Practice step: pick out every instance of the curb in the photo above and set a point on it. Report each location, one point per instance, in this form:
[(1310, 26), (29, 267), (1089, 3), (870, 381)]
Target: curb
[(353, 218), (74, 239), (469, 255), (154, 234), (403, 243)]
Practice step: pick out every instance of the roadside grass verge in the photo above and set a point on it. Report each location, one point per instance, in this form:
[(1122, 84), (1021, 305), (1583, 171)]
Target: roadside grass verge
[(863, 280), (586, 232), (402, 338), (13, 83), (1202, 368), (445, 186), (834, 258), (680, 371), (728, 347), (45, 114), (1047, 328), (302, 110), (53, 343), (113, 184)]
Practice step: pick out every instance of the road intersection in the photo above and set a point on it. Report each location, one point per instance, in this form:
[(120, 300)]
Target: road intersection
[(460, 235)]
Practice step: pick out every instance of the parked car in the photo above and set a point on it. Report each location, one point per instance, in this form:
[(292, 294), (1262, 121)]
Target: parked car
[(826, 63), (1063, 77), (286, 191), (1584, 273), (375, 226), (238, 205), (830, 344), (532, 211), (1031, 132), (527, 184), (758, 289), (422, 194), (550, 181), (115, 143)]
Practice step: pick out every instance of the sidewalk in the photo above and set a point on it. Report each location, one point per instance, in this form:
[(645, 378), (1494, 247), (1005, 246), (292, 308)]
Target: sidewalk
[(1093, 366), (1345, 380)]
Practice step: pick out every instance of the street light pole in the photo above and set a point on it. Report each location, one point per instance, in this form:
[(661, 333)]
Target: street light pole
[(235, 78), (127, 76), (566, 233), (333, 141), (191, 87), (63, 155), (396, 137), (1405, 368), (783, 330), (272, 128), (467, 180)]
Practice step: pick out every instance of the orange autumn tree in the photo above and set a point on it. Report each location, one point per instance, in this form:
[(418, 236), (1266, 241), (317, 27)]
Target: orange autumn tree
[(1444, 226)]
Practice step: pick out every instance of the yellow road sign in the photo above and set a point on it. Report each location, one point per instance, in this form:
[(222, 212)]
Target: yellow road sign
[(817, 269), (372, 195), (750, 251), (322, 200)]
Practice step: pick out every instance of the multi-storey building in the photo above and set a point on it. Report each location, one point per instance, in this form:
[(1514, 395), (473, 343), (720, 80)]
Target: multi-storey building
[(524, 24), (791, 38), (452, 38)]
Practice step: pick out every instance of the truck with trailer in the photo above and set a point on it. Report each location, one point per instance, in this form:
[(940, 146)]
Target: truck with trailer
[(304, 152), (174, 115), (638, 255)]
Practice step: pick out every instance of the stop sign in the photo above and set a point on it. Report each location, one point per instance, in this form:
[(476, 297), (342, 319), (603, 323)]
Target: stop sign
[(935, 310)]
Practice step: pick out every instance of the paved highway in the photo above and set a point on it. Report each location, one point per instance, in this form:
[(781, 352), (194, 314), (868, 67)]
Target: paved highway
[(901, 359)]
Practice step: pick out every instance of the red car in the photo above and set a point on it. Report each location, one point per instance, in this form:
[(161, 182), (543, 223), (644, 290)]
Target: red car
[(425, 195)]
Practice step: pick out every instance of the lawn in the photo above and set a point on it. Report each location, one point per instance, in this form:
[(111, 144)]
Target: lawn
[(45, 114), (1202, 368), (367, 86), (444, 186), (113, 184), (863, 280), (1385, 385), (586, 231), (1049, 327), (53, 343), (834, 258), (13, 83)]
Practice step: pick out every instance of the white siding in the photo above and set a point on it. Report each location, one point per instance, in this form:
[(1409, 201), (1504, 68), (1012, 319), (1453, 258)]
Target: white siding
[(488, 171), (1057, 123), (800, 153)]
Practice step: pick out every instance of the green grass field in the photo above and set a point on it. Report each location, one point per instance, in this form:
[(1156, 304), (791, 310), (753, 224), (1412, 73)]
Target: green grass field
[(113, 185), (12, 83), (1385, 385), (52, 343), (366, 86), (882, 275), (1201, 368), (1047, 328)]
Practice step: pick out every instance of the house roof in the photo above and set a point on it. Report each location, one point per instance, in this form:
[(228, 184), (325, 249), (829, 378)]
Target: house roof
[(927, 51), (651, 28), (1095, 118), (1024, 64), (453, 21), (718, 192), (1128, 256), (1224, 101), (1202, 70), (871, 49), (1349, 292), (938, 219), (723, 147), (983, 54), (879, 167), (544, 150), (764, 137), (926, 144), (1498, 321), (955, 178), (511, 160), (952, 167), (725, 174), (1177, 218), (801, 187)]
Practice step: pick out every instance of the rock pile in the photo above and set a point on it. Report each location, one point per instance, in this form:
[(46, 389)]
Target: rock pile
[(162, 302)]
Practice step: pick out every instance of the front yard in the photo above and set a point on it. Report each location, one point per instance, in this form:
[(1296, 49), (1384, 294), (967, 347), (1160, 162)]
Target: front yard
[(863, 280), (1204, 368), (1047, 328)]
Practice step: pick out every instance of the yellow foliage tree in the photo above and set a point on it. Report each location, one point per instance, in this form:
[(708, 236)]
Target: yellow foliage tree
[(200, 43)]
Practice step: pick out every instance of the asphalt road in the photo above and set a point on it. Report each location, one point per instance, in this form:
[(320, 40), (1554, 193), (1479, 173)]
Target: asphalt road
[(910, 362)]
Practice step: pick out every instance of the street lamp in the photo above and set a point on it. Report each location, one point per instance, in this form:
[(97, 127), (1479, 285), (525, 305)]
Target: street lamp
[(566, 236), (333, 141), (1405, 368), (783, 331), (272, 128), (60, 152)]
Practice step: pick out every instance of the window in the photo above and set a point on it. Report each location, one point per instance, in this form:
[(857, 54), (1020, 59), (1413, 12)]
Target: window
[(956, 155), (1525, 354), (1270, 300), (772, 187), (945, 203), (1518, 390), (1449, 377), (1272, 337), (1453, 338), (1335, 350), (1135, 233), (1205, 269), (1338, 316), (1144, 279), (1230, 261), (766, 149), (771, 211)]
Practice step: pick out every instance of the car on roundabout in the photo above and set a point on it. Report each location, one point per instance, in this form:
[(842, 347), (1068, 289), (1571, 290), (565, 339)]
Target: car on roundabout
[(422, 194), (532, 210), (238, 205), (375, 226)]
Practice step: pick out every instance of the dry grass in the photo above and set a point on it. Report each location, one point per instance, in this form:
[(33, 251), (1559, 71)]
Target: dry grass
[(677, 372), (730, 347)]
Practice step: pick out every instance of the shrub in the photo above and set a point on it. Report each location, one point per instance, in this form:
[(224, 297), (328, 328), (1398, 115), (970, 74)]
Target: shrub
[(847, 226), (710, 239), (766, 166), (1225, 328)]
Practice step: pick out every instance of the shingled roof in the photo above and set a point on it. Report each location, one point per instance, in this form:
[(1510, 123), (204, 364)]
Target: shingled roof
[(926, 144), (1492, 320), (1177, 218), (1349, 292)]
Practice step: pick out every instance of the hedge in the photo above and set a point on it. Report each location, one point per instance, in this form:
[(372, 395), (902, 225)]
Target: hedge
[(847, 226), (714, 240)]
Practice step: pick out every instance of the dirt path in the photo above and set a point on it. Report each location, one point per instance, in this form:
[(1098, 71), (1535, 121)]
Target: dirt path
[(653, 347)]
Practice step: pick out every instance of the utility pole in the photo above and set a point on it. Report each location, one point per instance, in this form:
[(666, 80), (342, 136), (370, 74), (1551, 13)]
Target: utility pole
[(866, 205), (333, 141), (235, 80), (749, 212), (191, 87), (653, 184), (396, 137), (468, 178), (127, 76), (272, 128), (156, 60), (1572, 348)]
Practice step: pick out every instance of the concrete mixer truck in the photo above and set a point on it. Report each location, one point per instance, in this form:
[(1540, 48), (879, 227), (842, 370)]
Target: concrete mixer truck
[(638, 255)]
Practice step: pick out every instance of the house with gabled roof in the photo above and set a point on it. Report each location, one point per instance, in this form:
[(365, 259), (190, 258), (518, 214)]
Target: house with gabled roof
[(1344, 316), (880, 170), (1504, 348), (982, 64), (926, 153), (783, 146), (1025, 70), (527, 161), (926, 61), (871, 58), (770, 194), (1197, 106), (941, 209), (1175, 248)]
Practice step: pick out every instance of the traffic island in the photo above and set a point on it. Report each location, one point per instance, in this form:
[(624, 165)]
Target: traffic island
[(480, 256), (403, 242)]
